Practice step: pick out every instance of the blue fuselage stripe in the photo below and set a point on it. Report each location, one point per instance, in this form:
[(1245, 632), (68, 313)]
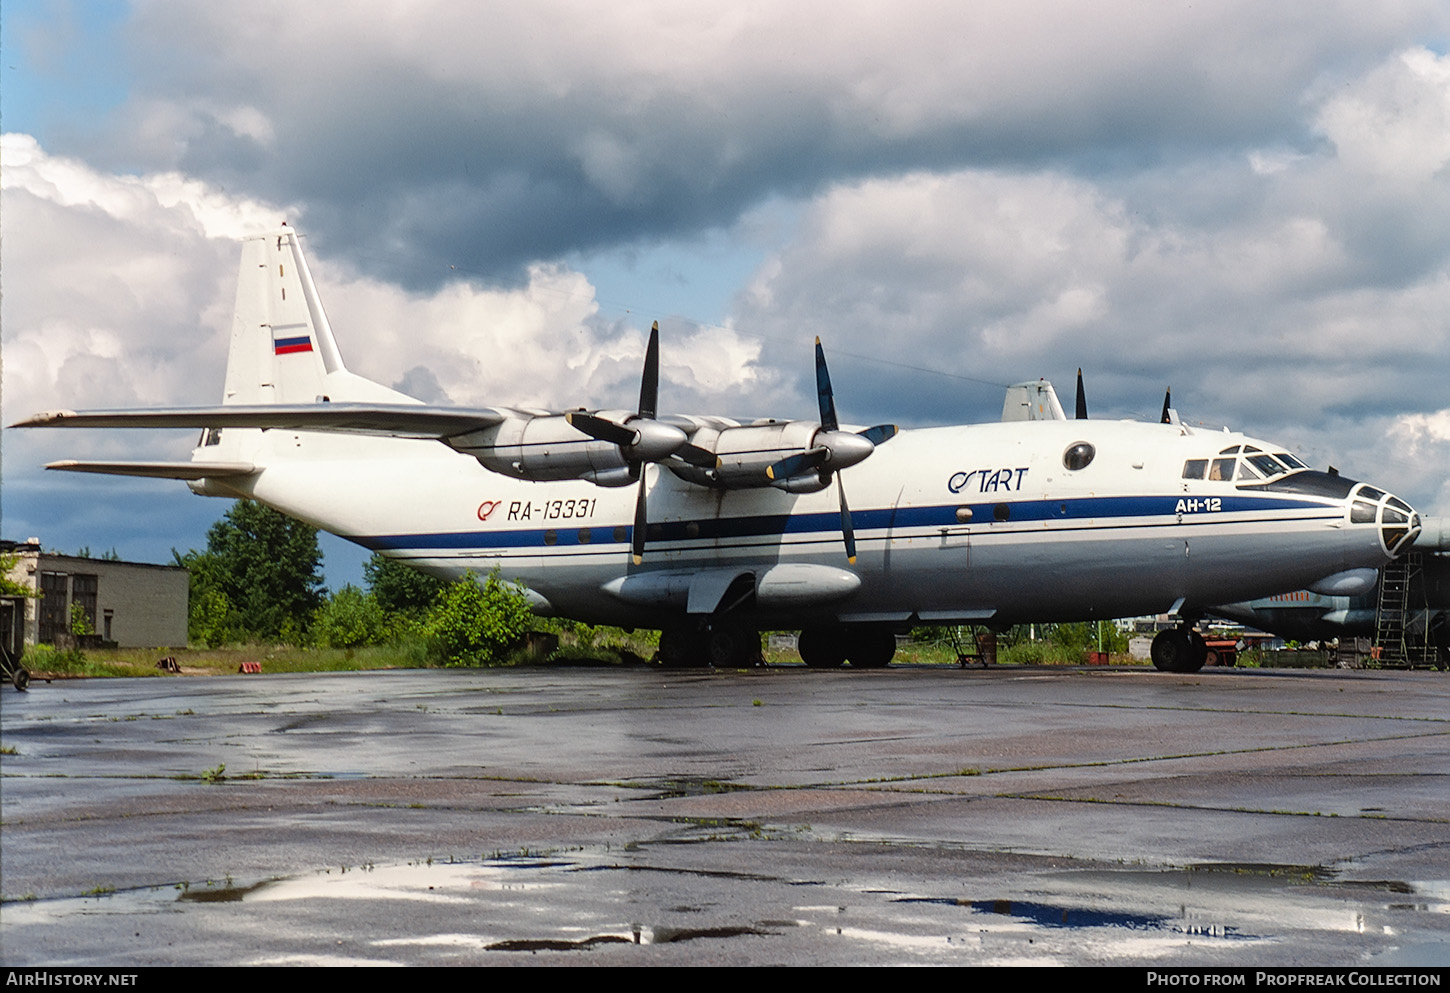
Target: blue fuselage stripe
[(1085, 510)]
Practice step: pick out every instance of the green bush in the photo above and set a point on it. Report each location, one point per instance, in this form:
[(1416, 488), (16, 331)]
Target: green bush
[(477, 624), (212, 621), (349, 618)]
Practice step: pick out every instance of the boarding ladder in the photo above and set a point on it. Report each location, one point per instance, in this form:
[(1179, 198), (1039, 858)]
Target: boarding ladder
[(1402, 616)]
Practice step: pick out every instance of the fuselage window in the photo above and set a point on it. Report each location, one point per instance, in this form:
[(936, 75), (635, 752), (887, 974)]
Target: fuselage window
[(1222, 469), (1078, 456), (1195, 468)]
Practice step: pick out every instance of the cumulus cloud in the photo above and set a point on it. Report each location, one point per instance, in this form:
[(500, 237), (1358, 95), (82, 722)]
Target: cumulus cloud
[(538, 345)]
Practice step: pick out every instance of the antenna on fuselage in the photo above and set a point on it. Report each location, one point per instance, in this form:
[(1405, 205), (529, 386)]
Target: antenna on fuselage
[(1081, 398)]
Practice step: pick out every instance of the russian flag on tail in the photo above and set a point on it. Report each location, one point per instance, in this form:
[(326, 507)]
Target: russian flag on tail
[(291, 344)]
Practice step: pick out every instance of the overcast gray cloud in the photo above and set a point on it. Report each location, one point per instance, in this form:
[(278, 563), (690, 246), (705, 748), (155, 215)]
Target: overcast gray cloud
[(491, 135)]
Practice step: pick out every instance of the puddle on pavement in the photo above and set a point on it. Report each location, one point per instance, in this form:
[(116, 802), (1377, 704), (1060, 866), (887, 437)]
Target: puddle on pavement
[(591, 900)]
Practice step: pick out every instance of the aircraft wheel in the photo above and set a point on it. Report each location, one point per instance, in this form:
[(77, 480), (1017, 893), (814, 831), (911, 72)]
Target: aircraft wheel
[(822, 648), (1170, 650), (1197, 652), (731, 646), (872, 649), (681, 648), (21, 679)]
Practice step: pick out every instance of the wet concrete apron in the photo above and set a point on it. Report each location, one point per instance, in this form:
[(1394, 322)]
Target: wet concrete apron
[(590, 816)]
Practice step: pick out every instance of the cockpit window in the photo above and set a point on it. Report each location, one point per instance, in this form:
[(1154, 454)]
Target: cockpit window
[(1222, 469), (1195, 468), (1361, 513), (1266, 464), (1247, 471), (1289, 460), (1370, 493), (1231, 451)]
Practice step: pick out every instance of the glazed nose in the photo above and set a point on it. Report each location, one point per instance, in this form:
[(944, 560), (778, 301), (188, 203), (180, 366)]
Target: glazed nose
[(1399, 524)]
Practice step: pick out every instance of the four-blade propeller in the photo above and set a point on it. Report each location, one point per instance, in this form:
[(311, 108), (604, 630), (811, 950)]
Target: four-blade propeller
[(833, 450), (642, 438)]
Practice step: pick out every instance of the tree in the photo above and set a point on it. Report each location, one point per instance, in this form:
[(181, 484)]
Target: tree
[(399, 588), (264, 566), (473, 624), (10, 587)]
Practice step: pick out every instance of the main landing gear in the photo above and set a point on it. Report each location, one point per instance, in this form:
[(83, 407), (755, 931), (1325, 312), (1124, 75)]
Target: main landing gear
[(833, 647), (1179, 650), (721, 644), (728, 645)]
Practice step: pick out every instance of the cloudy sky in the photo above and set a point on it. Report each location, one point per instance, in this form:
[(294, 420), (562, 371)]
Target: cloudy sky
[(1249, 202)]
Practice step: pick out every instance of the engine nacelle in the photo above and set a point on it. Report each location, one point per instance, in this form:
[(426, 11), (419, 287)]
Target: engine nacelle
[(547, 448), (746, 451)]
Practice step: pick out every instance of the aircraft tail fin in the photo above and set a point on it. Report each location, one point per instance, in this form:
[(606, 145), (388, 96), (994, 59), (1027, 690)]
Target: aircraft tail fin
[(1032, 402), (282, 348)]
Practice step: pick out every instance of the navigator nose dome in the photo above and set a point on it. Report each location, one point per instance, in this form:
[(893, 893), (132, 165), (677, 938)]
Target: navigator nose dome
[(1399, 524)]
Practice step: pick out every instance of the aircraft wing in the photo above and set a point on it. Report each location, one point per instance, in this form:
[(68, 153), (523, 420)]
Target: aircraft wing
[(159, 470), (393, 420)]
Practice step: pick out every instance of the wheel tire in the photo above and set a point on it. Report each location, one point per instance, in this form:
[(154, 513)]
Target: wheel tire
[(729, 646), (681, 648), (1179, 650), (1170, 649), (21, 679), (1197, 652), (821, 648), (872, 649)]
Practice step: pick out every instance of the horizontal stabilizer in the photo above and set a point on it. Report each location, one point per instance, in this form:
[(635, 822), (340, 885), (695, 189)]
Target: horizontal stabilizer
[(159, 470), (387, 420)]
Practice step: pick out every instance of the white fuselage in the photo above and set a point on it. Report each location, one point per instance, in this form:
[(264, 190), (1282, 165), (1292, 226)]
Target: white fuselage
[(954, 524)]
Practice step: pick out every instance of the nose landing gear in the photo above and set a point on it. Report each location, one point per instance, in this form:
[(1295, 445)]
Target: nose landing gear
[(1179, 650)]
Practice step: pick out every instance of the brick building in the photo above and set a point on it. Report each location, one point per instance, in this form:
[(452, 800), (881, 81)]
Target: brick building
[(134, 604)]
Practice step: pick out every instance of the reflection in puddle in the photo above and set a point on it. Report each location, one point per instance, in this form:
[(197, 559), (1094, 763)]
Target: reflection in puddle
[(1046, 915)]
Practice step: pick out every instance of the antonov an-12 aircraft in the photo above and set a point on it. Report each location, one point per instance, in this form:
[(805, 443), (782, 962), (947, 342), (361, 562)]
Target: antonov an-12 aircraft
[(712, 529)]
